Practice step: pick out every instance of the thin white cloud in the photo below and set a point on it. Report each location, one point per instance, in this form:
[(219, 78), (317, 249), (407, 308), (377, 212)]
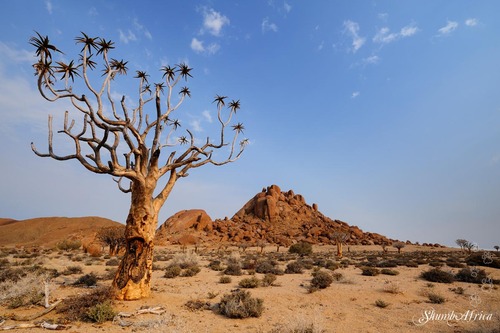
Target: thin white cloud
[(287, 7), (140, 28), (16, 56), (195, 125), (352, 29), (321, 45), (383, 16), (448, 28), (48, 6), (355, 94), (471, 22), (208, 117), (198, 47), (374, 59), (268, 26), (385, 36), (93, 11), (127, 37), (214, 21)]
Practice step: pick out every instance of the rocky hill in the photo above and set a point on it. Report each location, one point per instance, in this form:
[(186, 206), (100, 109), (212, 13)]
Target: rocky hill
[(272, 216), (48, 231)]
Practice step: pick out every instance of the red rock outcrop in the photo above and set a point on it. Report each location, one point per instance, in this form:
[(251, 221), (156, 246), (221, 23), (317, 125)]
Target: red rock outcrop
[(271, 216)]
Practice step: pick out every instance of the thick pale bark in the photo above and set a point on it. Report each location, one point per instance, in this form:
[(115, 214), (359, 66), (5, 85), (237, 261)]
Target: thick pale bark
[(339, 249), (133, 278)]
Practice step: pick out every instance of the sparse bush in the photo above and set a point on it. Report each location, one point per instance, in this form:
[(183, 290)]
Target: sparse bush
[(225, 279), (76, 308), (471, 275), (294, 267), (185, 260), (233, 269), (387, 271), (436, 298), (172, 271), (252, 282), (191, 271), (24, 291), (321, 280), (436, 264), (370, 271), (100, 313), (337, 276), (196, 305), (301, 248), (69, 245), (458, 290), (268, 280), (72, 270), (483, 258), (381, 304), (216, 265), (240, 304), (266, 267), (392, 288), (437, 275), (88, 280)]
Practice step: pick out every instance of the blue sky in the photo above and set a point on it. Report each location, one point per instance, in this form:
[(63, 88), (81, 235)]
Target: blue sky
[(384, 113)]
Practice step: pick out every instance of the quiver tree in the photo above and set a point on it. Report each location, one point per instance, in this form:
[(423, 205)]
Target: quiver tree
[(339, 238), (399, 246), (114, 237), (136, 142)]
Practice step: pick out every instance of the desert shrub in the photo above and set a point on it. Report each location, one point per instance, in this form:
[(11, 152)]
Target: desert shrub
[(458, 290), (69, 245), (331, 265), (264, 267), (197, 304), (437, 275), (388, 271), (321, 280), (370, 271), (248, 264), (301, 248), (268, 280), (294, 267), (436, 298), (72, 270), (381, 304), (113, 262), (12, 274), (413, 264), (387, 264), (307, 263), (4, 262), (100, 313), (225, 279), (436, 264), (172, 271), (185, 260), (240, 304), (191, 271), (27, 290), (251, 282), (471, 275), (216, 265), (77, 307), (88, 280), (481, 258), (392, 288), (233, 269), (337, 276)]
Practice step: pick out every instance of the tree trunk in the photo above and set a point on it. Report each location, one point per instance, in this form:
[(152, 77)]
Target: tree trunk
[(339, 249), (133, 278)]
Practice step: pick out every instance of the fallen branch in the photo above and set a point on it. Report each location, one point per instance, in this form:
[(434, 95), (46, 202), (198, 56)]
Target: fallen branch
[(157, 310), (36, 315), (30, 325)]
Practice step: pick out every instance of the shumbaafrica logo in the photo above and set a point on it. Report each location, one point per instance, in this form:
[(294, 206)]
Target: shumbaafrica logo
[(452, 316)]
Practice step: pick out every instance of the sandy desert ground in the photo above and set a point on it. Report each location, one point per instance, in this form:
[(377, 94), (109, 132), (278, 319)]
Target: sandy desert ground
[(347, 305)]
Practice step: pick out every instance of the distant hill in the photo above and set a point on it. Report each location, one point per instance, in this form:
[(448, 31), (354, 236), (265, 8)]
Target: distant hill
[(273, 216), (48, 231)]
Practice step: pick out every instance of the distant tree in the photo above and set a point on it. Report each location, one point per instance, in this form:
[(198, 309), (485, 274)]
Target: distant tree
[(136, 141), (339, 238), (461, 243), (261, 244), (496, 247), (469, 246), (384, 247), (399, 246), (114, 237)]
